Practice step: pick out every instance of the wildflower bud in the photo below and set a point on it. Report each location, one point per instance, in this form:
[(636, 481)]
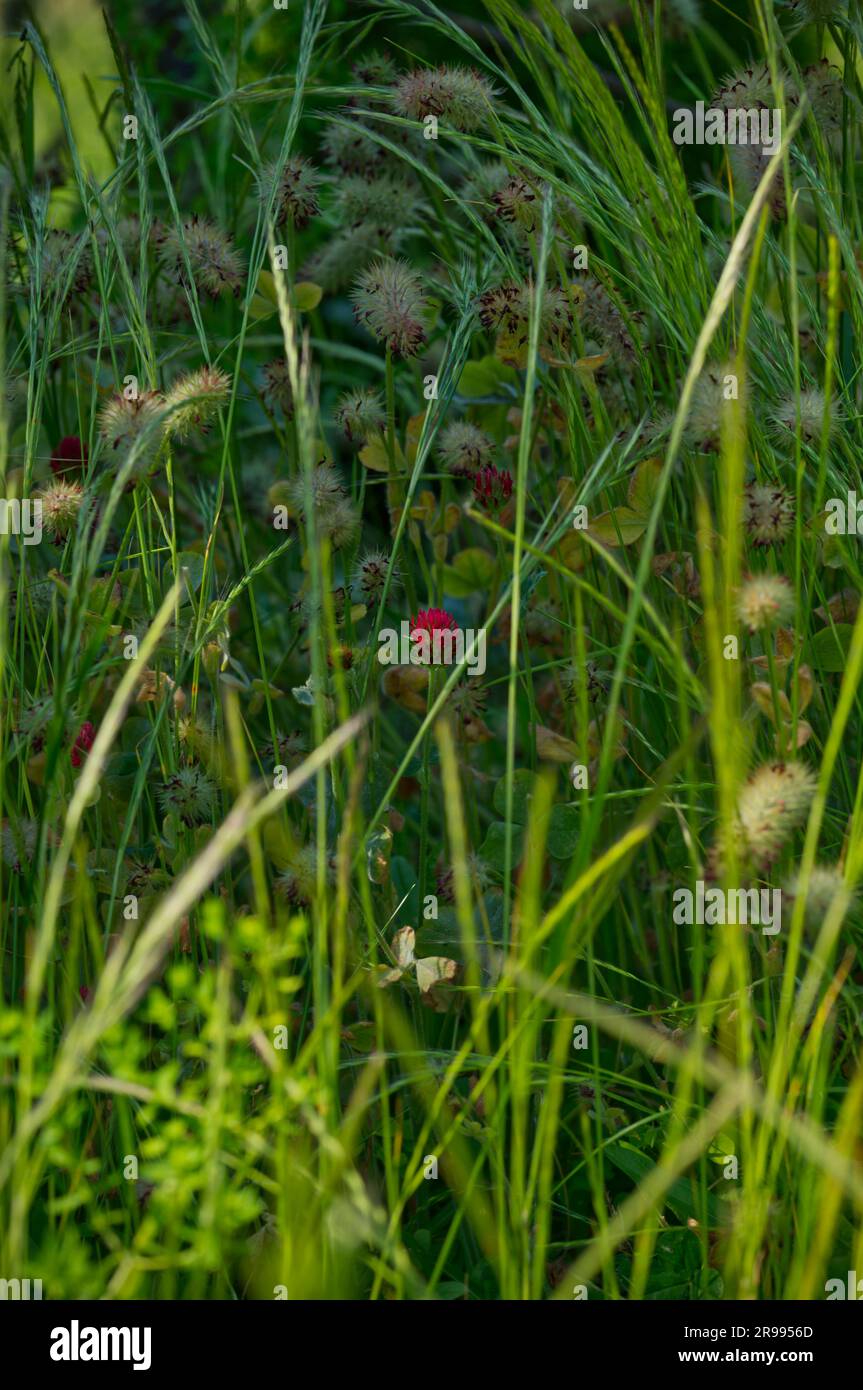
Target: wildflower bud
[(492, 489)]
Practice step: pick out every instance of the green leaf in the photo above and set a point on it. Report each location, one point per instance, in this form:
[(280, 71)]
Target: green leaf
[(622, 526), (563, 831), (522, 785), (829, 648), (493, 850), (307, 296), (643, 485), (485, 378), (470, 571)]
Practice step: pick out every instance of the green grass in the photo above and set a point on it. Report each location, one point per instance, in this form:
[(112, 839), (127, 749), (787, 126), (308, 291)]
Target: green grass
[(235, 1093)]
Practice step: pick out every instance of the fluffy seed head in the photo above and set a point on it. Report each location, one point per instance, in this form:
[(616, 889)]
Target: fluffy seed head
[(216, 266), (57, 250), (602, 318), (823, 85), (325, 487), (516, 201), (338, 261), (340, 523), (771, 805), (388, 299), (464, 449), (370, 576), (460, 95), (61, 503), (506, 308), (765, 601), (768, 514), (123, 423), (751, 87), (296, 883), (805, 412), (277, 385), (190, 794), (297, 187), (386, 202), (18, 843), (194, 400), (709, 405), (360, 414), (826, 884), (351, 149)]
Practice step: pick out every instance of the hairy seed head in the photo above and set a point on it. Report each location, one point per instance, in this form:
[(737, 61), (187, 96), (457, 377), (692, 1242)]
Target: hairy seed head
[(389, 301), (765, 601), (194, 400)]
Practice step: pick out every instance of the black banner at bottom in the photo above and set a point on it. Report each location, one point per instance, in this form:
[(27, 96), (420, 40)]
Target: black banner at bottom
[(67, 1339)]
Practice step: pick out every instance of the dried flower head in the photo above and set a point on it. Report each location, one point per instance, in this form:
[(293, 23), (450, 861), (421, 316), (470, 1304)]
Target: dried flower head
[(194, 400), (388, 299), (352, 149), (296, 883), (478, 873), (768, 514), (61, 503), (507, 308), (339, 523), (824, 886), (18, 839), (58, 251), (189, 794), (765, 601), (370, 576), (386, 202), (751, 87), (492, 489), (805, 412), (325, 489), (462, 96), (822, 84), (278, 390), (216, 265), (374, 70), (464, 448), (338, 261), (709, 405), (134, 424), (602, 319), (360, 414), (815, 11), (297, 184), (771, 805), (516, 202), (288, 749)]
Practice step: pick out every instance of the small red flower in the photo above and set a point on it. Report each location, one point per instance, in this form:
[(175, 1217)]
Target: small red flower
[(492, 489), (69, 455), (433, 620), (83, 743)]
